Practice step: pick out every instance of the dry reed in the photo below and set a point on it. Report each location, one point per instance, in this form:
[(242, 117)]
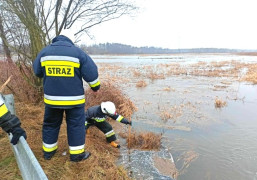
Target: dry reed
[(219, 103), (136, 73), (141, 84), (154, 75), (19, 86), (143, 140), (110, 92), (251, 75)]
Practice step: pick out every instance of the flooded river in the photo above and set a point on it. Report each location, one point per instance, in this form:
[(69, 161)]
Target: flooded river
[(202, 140)]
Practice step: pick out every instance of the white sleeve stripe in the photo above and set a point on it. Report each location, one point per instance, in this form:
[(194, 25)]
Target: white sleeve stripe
[(93, 82)]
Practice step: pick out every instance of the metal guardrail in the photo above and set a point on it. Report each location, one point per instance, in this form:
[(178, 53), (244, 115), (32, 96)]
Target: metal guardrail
[(29, 166)]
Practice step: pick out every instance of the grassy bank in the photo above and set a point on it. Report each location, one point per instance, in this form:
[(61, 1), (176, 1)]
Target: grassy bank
[(101, 164)]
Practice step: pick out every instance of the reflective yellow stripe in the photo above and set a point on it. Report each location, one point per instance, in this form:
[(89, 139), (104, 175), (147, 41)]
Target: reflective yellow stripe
[(111, 134), (3, 110), (60, 63), (99, 119), (64, 103), (94, 85), (49, 149), (77, 151), (119, 118)]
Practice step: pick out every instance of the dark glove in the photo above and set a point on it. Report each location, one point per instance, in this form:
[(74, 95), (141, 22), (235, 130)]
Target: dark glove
[(17, 132), (125, 121)]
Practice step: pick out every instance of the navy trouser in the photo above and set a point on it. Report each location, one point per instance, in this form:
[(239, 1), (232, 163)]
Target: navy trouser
[(105, 127), (75, 119)]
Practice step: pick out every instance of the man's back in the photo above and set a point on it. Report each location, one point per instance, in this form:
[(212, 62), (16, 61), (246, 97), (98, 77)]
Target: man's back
[(63, 66)]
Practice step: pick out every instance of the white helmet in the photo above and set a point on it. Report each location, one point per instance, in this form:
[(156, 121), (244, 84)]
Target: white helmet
[(108, 107), (69, 34)]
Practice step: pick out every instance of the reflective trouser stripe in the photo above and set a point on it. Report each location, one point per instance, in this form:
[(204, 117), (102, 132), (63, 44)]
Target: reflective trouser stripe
[(110, 133), (64, 100), (94, 83), (77, 149), (3, 110), (119, 118), (64, 103), (49, 147)]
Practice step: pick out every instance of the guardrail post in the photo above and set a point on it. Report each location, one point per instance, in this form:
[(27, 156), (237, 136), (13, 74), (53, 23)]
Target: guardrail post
[(29, 166)]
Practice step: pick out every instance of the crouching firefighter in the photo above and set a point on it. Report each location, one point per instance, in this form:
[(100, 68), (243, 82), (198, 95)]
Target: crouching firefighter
[(96, 116), (10, 123), (62, 66)]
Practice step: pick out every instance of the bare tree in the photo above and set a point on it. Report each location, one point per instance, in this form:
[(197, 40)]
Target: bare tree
[(29, 25)]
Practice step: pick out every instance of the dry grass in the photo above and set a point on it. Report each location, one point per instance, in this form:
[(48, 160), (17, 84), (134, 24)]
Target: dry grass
[(143, 140), (229, 69), (219, 103), (154, 75), (251, 75), (110, 92), (166, 89), (141, 84), (165, 115), (136, 73), (18, 86)]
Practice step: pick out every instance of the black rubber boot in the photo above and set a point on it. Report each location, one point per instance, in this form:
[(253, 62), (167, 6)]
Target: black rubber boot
[(79, 157), (49, 155)]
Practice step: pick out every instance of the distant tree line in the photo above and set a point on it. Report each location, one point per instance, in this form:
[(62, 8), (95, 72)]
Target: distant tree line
[(116, 48)]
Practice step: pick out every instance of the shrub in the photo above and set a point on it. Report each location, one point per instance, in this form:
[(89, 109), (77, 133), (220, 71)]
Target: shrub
[(19, 86)]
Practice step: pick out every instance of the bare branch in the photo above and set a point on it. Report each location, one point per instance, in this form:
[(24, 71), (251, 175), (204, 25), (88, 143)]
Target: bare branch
[(57, 10), (65, 16)]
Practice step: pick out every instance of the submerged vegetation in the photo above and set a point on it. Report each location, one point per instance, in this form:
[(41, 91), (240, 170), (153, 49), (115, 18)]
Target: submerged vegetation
[(141, 84), (143, 140), (219, 103)]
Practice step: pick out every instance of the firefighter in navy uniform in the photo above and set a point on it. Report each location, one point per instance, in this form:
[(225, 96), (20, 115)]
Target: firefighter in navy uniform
[(10, 123), (62, 66), (96, 116)]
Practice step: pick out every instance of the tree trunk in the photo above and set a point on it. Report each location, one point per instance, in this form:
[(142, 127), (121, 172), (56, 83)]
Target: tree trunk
[(4, 40)]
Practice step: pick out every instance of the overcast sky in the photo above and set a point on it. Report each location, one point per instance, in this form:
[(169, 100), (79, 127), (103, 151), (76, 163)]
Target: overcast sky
[(185, 24)]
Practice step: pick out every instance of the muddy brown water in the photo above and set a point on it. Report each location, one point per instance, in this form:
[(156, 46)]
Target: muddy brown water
[(202, 141)]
